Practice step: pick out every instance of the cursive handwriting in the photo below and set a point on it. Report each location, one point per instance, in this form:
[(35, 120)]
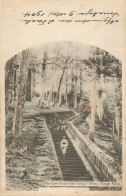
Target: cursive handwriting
[(42, 18)]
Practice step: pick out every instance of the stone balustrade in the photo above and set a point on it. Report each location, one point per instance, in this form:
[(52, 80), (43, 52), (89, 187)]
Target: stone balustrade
[(98, 159), (79, 118)]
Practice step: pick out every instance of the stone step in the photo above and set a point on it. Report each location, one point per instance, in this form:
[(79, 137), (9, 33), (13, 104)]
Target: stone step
[(71, 165)]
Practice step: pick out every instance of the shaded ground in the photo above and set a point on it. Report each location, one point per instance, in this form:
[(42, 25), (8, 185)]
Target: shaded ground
[(35, 160)]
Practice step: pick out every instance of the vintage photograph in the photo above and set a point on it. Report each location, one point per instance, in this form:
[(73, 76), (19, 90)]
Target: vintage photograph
[(63, 114)]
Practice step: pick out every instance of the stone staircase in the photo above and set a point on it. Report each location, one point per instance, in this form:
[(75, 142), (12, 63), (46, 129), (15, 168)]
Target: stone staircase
[(71, 165)]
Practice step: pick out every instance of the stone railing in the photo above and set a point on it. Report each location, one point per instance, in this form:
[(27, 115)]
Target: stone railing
[(79, 118), (98, 159)]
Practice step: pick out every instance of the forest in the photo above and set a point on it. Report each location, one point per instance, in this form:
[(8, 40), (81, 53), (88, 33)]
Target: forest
[(65, 76)]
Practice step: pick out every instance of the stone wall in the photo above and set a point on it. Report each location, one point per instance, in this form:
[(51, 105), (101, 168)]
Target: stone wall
[(100, 161)]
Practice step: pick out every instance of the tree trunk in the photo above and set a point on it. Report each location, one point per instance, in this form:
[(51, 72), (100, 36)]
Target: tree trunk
[(60, 97), (66, 86), (75, 91), (53, 95), (6, 96), (80, 84), (6, 88), (93, 104), (118, 106), (100, 99), (50, 95), (21, 95), (32, 84), (117, 118), (49, 98), (100, 102), (15, 76), (28, 91), (72, 87), (8, 83), (60, 82), (43, 82)]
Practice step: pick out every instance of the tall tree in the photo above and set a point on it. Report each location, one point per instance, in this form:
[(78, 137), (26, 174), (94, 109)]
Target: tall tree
[(72, 85), (80, 70), (8, 78), (28, 91), (105, 64), (21, 95), (11, 74), (66, 86), (61, 78), (43, 79), (75, 88), (31, 70), (92, 103), (118, 106), (50, 92), (33, 84), (100, 98)]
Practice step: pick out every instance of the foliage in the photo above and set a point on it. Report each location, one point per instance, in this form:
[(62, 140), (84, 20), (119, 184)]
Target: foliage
[(105, 63)]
